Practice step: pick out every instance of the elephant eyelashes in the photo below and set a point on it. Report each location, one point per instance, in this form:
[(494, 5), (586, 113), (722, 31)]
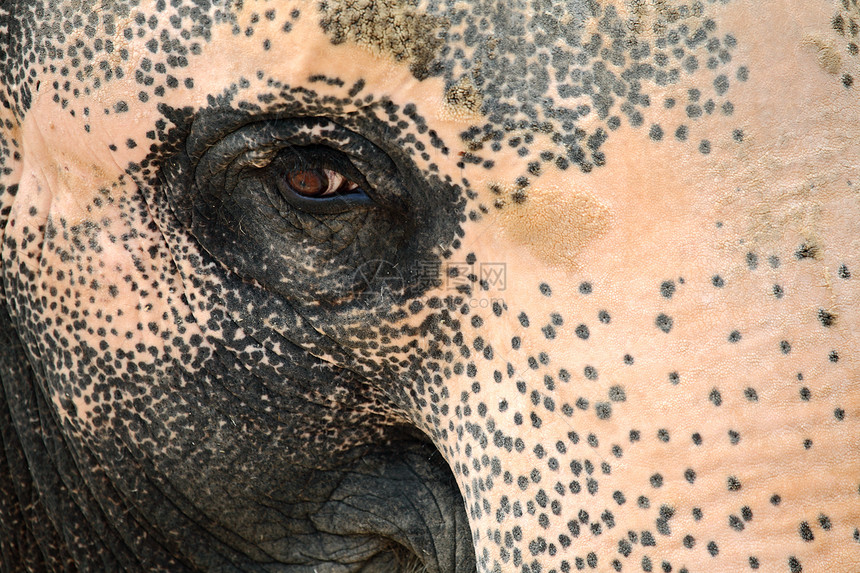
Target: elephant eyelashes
[(319, 183)]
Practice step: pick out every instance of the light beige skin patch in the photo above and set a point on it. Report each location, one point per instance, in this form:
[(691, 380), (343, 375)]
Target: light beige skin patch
[(554, 224), (828, 57)]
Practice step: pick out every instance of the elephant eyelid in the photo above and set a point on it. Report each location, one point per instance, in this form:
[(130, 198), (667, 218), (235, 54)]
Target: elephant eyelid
[(267, 150)]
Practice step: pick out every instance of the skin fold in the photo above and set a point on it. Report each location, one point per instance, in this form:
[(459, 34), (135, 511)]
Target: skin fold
[(583, 295)]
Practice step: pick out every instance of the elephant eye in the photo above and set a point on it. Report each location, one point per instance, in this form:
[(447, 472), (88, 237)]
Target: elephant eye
[(311, 209), (315, 183), (317, 179)]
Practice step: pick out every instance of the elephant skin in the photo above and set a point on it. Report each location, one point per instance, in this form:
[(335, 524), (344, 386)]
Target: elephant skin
[(430, 285)]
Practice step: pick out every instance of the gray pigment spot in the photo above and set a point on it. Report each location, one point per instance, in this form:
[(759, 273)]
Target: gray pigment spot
[(389, 27)]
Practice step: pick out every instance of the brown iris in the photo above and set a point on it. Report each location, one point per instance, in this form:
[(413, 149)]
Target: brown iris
[(319, 183)]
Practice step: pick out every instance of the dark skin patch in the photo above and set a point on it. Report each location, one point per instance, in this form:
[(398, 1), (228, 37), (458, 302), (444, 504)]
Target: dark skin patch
[(396, 29)]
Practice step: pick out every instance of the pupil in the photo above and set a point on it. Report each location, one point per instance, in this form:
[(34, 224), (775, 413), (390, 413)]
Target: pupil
[(309, 182)]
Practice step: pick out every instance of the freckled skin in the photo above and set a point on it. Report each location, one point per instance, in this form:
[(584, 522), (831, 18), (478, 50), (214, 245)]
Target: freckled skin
[(587, 299)]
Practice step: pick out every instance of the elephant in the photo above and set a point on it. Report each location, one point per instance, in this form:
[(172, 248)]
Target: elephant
[(430, 285)]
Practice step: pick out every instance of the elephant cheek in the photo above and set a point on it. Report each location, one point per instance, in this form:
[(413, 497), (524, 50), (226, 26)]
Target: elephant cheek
[(493, 404), (527, 426)]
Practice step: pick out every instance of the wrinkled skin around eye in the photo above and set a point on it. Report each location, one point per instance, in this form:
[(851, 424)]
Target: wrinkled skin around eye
[(554, 286)]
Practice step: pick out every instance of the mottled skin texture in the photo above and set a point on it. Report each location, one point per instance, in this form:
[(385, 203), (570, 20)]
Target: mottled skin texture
[(204, 371)]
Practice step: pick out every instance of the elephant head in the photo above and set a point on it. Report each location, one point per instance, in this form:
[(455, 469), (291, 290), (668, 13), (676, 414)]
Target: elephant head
[(385, 285)]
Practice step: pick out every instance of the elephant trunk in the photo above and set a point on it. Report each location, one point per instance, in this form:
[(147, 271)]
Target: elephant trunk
[(409, 497)]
